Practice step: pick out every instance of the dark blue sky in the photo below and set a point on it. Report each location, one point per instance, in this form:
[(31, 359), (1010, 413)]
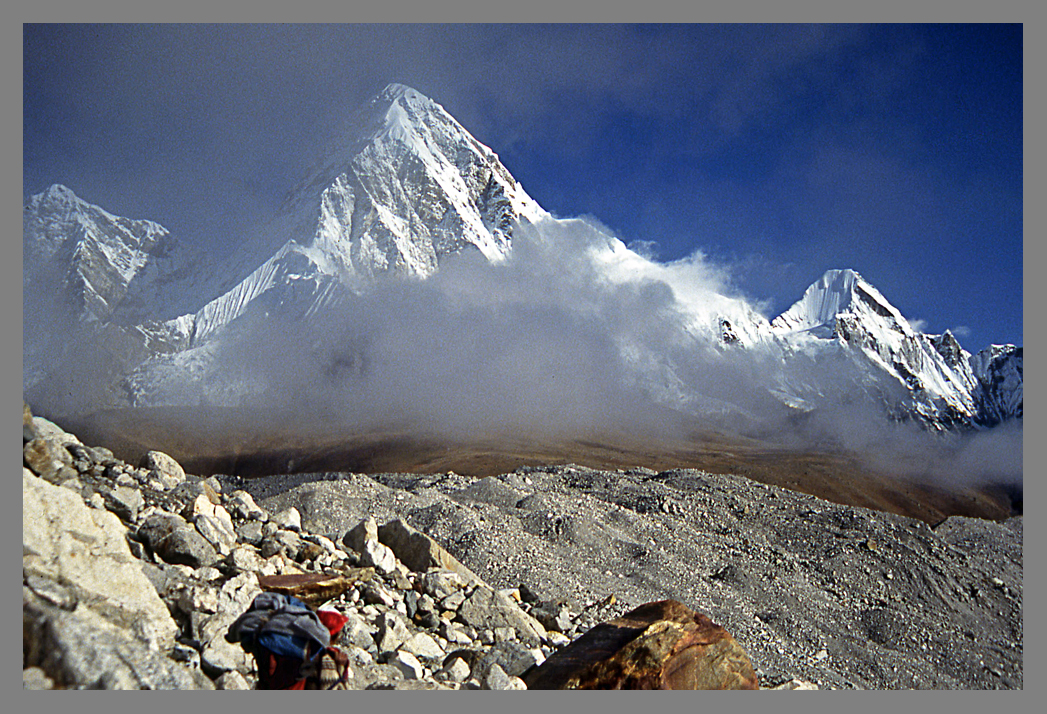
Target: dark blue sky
[(778, 151)]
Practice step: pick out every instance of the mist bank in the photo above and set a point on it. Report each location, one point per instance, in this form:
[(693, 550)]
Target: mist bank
[(573, 335)]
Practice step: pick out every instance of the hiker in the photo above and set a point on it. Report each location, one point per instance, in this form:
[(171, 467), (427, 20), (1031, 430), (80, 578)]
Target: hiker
[(291, 643)]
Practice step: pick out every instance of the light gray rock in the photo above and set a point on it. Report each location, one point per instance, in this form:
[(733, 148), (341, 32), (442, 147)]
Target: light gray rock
[(282, 541), (36, 678), (250, 532), (423, 645), (512, 657), (378, 556), (419, 552), (408, 664), (243, 505), (218, 532), (232, 680), (441, 584), (392, 632), (457, 670), (50, 460), (124, 501), (357, 632), (486, 608), (176, 541), (497, 679), (288, 519), (46, 429), (163, 464), (364, 531), (83, 650), (86, 550)]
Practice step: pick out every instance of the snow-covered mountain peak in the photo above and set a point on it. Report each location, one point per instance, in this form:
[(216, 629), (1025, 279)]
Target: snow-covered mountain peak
[(836, 293)]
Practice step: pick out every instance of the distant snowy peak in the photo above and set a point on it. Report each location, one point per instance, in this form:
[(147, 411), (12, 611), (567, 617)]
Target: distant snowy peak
[(835, 294), (1000, 373), (106, 266), (842, 307), (406, 187)]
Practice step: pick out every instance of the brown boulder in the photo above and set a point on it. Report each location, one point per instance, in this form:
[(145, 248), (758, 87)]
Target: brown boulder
[(660, 645), (314, 589)]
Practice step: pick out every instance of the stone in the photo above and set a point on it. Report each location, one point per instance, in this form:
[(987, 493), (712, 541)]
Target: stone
[(232, 680), (453, 601), (486, 608), (378, 556), (283, 542), (497, 679), (408, 664), (357, 632), (392, 632), (553, 615), (47, 429), (84, 549), (176, 541), (218, 532), (244, 557), (365, 530), (49, 460), (374, 593), (250, 532), (201, 505), (441, 584), (419, 552), (314, 589), (35, 678), (513, 658), (163, 464), (457, 670), (660, 645), (218, 654), (83, 650), (454, 633), (423, 645), (242, 505), (125, 501), (29, 431), (796, 684), (288, 519)]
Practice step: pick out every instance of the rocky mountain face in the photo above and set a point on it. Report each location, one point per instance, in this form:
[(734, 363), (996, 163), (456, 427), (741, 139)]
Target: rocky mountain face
[(942, 383), (542, 577), (404, 190)]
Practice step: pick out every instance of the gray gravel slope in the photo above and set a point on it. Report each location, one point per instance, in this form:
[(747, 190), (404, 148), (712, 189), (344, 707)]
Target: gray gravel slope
[(844, 597)]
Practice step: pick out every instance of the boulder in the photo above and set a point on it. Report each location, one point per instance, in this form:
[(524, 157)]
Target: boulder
[(660, 645), (48, 459), (364, 531), (487, 608), (419, 552), (84, 650), (176, 541), (166, 467), (314, 589), (85, 550)]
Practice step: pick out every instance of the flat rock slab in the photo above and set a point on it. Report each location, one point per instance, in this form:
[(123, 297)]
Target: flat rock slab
[(660, 645), (314, 589)]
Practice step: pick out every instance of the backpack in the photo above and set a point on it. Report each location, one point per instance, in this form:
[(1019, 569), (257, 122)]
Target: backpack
[(291, 644)]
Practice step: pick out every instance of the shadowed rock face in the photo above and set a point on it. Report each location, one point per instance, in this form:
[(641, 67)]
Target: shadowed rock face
[(661, 645)]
